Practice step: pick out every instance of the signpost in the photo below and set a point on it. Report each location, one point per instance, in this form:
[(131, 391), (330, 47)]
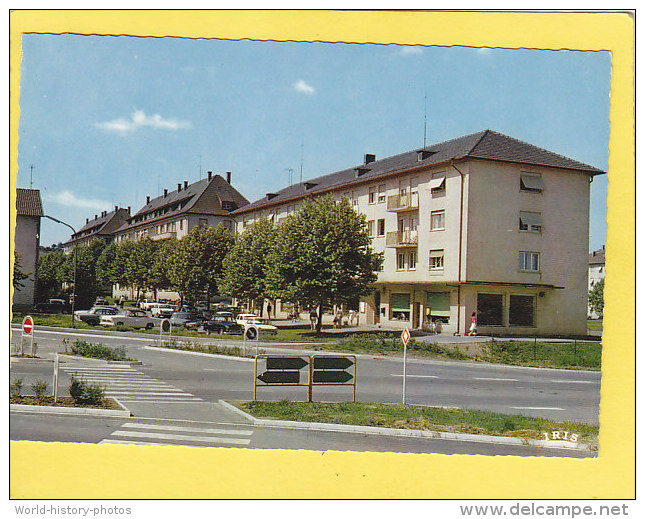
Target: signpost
[(251, 333), (164, 327), (27, 332), (405, 337), (324, 370)]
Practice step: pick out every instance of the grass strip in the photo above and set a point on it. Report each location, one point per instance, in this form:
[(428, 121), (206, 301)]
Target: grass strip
[(422, 418), (62, 401)]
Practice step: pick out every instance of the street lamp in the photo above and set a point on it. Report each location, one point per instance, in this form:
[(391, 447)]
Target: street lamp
[(75, 247)]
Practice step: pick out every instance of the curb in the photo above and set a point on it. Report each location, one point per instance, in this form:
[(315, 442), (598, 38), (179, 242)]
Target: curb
[(200, 353), (405, 433), (49, 409), (99, 361)]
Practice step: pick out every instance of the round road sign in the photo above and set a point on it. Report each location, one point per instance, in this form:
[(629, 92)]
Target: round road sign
[(251, 333), (27, 325), (165, 325)]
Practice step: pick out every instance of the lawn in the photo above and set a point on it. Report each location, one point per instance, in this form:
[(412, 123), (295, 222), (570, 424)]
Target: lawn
[(594, 325), (418, 417)]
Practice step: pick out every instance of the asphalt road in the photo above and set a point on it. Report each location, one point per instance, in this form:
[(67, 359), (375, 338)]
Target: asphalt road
[(180, 386)]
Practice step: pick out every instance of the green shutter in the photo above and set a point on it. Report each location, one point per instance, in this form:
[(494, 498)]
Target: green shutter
[(439, 303), (400, 302)]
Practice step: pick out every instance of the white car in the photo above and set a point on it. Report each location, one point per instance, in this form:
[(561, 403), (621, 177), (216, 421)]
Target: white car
[(242, 318), (263, 325), (131, 318), (162, 310)]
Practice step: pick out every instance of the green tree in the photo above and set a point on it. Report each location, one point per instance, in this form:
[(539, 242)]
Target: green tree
[(245, 266), (596, 298), (322, 256), (18, 274), (159, 277), (50, 274), (196, 262), (87, 285), (140, 257)]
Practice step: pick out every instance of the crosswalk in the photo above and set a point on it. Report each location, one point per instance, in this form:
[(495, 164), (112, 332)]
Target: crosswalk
[(127, 384), (201, 435)]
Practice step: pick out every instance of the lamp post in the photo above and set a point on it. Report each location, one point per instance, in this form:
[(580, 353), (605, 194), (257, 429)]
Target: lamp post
[(75, 247)]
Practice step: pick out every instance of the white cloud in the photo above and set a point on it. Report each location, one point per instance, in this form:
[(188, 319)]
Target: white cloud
[(69, 199), (302, 86), (409, 51), (138, 119)]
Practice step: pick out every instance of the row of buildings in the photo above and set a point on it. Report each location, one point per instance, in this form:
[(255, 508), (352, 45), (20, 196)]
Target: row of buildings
[(483, 224)]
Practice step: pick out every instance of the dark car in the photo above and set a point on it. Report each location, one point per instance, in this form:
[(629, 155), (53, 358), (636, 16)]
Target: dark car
[(186, 319), (53, 306), (222, 324), (93, 315)]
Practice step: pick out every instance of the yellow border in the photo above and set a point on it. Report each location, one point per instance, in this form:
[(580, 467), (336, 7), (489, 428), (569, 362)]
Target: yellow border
[(40, 470)]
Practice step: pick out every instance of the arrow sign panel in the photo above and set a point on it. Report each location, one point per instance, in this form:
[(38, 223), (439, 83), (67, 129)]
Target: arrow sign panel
[(332, 362), (291, 363), (332, 376), (280, 377)]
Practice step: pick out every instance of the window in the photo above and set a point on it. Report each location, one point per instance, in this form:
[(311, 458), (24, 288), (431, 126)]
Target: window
[(381, 193), (530, 261), (400, 307), (372, 196), (203, 222), (437, 306), (438, 182), (521, 311), (490, 309), (370, 227), (403, 187), (531, 222), (436, 259), (531, 182), (355, 198), (174, 226), (438, 220), (181, 224), (412, 261), (400, 261), (381, 227)]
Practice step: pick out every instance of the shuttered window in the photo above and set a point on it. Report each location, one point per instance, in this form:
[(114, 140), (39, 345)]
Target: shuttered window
[(438, 304)]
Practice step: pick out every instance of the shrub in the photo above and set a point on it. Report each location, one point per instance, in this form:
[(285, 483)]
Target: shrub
[(16, 387), (40, 389), (84, 393), (98, 351)]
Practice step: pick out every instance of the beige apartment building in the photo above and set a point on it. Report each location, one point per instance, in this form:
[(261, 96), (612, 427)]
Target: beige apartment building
[(483, 224), (101, 227), (29, 211)]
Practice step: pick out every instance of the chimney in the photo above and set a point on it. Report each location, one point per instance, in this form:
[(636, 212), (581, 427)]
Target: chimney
[(228, 177), (165, 193), (210, 175), (87, 220), (369, 157), (178, 187), (129, 207), (185, 184), (96, 216), (116, 208), (147, 200)]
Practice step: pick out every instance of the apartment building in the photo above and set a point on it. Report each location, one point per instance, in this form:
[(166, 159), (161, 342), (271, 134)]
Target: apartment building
[(101, 227), (207, 202), (483, 224), (29, 211)]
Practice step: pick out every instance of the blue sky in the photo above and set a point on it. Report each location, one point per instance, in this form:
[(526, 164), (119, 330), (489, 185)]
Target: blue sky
[(107, 120)]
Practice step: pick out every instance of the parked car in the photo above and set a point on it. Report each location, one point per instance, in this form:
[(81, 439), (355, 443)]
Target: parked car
[(161, 310), (130, 317), (263, 325), (189, 320), (242, 318), (93, 315), (52, 306), (146, 304), (101, 301), (222, 324)]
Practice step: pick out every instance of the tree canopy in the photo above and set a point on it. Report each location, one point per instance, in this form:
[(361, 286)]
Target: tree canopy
[(596, 298)]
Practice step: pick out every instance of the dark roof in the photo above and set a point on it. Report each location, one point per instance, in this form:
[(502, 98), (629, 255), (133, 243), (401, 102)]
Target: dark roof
[(28, 202), (204, 197), (97, 223), (597, 257), (487, 145)]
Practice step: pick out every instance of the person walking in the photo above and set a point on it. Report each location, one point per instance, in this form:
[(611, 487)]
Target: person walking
[(473, 324), (313, 318)]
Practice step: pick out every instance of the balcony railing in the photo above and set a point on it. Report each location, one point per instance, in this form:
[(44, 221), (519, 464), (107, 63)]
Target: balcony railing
[(401, 239), (407, 202)]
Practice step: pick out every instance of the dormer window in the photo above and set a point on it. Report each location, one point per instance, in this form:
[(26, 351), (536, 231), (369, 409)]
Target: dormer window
[(309, 185), (424, 154), (361, 171)]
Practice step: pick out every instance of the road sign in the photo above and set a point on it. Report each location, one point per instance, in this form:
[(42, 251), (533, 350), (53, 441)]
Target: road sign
[(286, 363), (339, 377), (280, 377), (27, 325), (328, 362), (251, 333), (405, 336), (165, 325)]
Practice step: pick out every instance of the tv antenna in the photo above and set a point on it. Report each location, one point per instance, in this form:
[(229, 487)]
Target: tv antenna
[(31, 176), (425, 118), (290, 171)]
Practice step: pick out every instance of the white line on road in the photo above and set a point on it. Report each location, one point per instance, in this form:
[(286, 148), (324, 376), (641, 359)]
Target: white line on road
[(540, 408), (577, 381), (186, 437), (131, 425), (496, 379), (158, 400), (96, 336), (151, 444), (139, 392), (413, 376)]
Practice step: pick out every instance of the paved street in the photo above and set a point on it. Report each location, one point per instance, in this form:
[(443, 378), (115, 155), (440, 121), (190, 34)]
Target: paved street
[(171, 385)]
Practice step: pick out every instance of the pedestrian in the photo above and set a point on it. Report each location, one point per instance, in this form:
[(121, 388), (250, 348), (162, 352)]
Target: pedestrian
[(473, 324), (121, 300), (335, 321), (269, 310), (313, 318)]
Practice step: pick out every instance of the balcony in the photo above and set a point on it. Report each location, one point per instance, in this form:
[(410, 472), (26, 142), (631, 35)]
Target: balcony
[(401, 239), (164, 235), (400, 203)]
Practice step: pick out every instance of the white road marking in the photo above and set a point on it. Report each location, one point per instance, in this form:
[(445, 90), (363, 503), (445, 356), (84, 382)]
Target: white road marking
[(131, 425), (186, 437), (413, 376), (540, 408), (150, 444), (496, 379), (158, 400), (95, 336), (576, 381)]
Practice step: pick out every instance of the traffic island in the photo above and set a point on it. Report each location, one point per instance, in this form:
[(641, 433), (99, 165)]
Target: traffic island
[(67, 405), (419, 422)]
